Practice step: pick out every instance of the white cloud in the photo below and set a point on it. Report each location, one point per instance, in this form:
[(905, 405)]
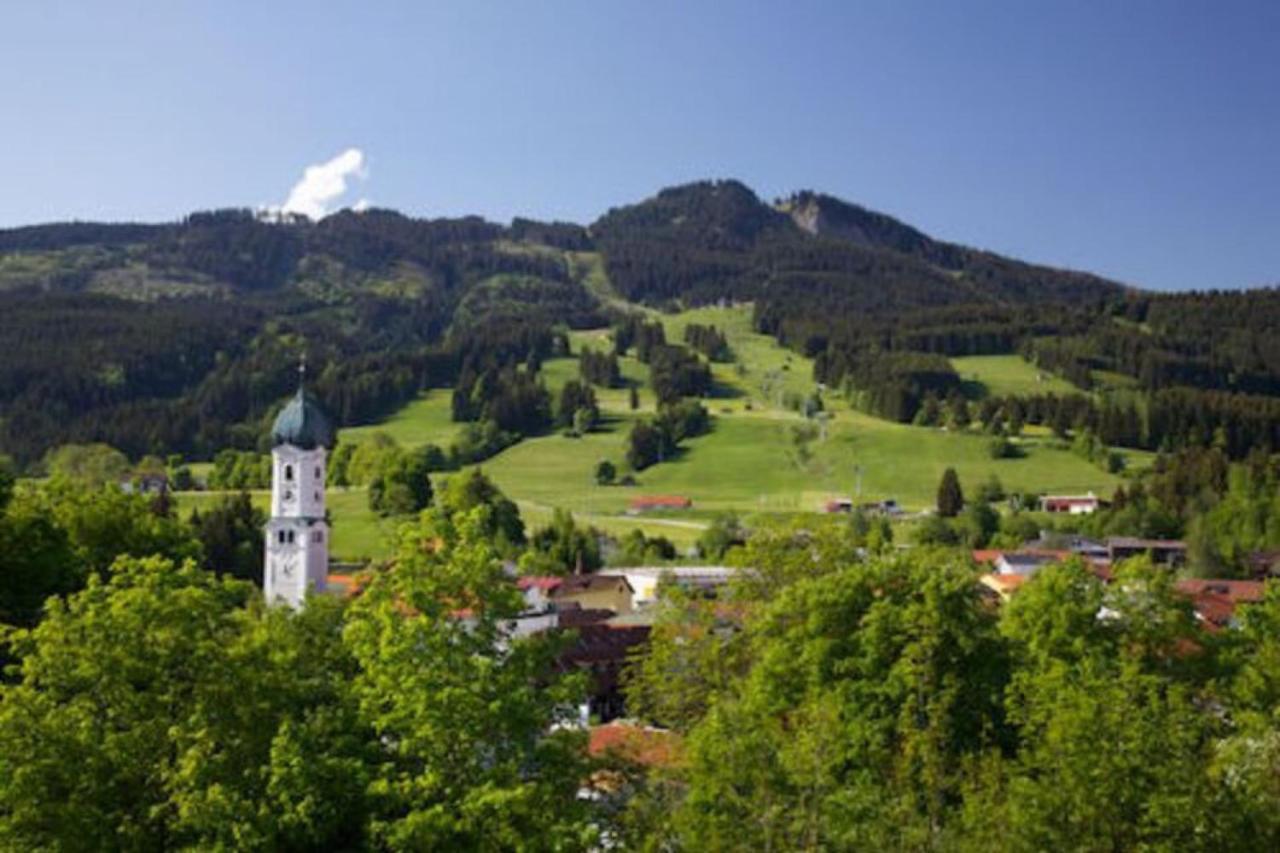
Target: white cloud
[(324, 184)]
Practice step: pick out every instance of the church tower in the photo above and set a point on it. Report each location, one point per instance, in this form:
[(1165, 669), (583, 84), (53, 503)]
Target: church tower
[(297, 535)]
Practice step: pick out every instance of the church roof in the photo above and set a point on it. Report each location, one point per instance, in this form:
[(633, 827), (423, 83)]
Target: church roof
[(302, 423)]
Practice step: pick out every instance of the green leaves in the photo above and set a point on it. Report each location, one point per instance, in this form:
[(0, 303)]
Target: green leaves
[(163, 707), (466, 713)]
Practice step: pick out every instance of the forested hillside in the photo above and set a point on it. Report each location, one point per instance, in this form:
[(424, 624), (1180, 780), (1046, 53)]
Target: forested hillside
[(182, 337)]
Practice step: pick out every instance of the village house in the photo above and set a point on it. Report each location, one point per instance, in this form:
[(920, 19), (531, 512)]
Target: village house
[(1072, 504), (1017, 563), (1164, 552), (1002, 586), (607, 592), (644, 580), (1082, 546), (888, 507), (146, 484), (1023, 562), (537, 591), (1215, 601), (656, 503)]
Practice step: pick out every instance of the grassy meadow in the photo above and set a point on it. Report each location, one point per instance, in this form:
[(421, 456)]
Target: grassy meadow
[(751, 461), (1003, 375)]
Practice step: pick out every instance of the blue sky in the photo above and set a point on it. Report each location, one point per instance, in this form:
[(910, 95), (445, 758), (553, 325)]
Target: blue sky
[(1140, 140)]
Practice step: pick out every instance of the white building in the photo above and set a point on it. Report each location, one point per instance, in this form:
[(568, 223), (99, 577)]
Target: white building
[(297, 535), (1086, 504), (644, 580)]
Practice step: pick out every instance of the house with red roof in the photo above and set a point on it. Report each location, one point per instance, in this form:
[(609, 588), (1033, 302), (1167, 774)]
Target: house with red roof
[(654, 503), (594, 592), (1072, 504), (1215, 601), (537, 591), (643, 745)]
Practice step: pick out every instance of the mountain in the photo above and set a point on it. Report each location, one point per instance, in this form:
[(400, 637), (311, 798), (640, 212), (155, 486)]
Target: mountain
[(716, 239), (688, 244), (182, 336)]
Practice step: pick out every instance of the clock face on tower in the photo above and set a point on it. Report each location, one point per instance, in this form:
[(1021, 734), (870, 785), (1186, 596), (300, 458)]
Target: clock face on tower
[(287, 565)]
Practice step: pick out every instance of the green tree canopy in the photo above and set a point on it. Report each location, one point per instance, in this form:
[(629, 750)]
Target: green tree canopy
[(473, 758), (94, 465), (154, 711), (950, 496)]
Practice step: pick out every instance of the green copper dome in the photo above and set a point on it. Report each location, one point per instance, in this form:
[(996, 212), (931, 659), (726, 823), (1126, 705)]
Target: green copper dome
[(302, 423)]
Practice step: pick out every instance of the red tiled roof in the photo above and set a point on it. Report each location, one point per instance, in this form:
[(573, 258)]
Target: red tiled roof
[(669, 501), (545, 583), (1004, 583), (643, 745), (589, 583), (1215, 601), (346, 585)]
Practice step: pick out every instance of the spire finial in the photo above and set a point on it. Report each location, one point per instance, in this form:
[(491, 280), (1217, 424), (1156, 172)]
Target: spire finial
[(302, 370)]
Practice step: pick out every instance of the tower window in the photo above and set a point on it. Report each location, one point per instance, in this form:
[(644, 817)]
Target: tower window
[(288, 472), (317, 536), (318, 475), (280, 536)]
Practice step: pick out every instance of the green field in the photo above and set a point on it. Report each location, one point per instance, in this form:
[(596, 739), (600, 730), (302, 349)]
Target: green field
[(358, 534), (1003, 375), (749, 463), (426, 420)]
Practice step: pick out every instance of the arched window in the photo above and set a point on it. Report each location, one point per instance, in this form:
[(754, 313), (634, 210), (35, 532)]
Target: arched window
[(288, 473), (318, 472), (290, 537), (280, 536)]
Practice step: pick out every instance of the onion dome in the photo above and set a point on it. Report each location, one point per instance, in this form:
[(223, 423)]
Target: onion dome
[(302, 423)]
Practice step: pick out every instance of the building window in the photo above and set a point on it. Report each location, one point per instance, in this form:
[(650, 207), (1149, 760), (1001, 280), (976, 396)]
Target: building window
[(290, 537), (317, 536), (318, 475), (316, 495), (281, 537), (288, 473)]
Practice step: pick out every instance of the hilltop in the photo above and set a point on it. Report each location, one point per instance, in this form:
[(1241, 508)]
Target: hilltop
[(181, 337)]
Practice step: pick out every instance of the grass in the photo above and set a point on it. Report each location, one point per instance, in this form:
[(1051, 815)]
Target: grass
[(1110, 380), (358, 534), (750, 463), (1004, 375), (427, 420)]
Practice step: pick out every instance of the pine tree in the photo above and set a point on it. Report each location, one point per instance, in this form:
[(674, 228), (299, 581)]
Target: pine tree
[(950, 496)]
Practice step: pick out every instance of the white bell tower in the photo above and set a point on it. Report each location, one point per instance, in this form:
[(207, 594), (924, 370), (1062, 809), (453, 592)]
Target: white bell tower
[(297, 535)]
